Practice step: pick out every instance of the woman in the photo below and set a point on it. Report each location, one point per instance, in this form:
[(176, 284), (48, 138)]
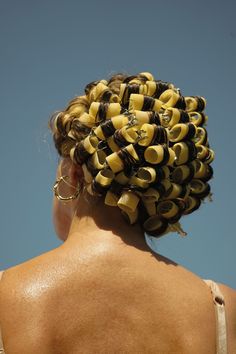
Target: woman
[(135, 158)]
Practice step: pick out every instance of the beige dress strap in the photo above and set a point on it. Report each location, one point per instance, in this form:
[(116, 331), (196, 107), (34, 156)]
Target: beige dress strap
[(221, 330), (1, 344)]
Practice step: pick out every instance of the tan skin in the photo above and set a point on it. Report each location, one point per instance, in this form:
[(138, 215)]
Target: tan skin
[(104, 291)]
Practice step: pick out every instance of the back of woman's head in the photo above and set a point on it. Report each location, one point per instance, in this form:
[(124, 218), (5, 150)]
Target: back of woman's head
[(142, 146)]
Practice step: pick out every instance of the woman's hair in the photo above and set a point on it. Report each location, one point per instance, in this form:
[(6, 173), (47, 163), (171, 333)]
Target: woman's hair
[(142, 147)]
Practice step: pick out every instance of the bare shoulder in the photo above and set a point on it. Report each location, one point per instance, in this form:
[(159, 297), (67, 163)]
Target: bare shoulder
[(230, 295), (32, 296), (22, 292), (230, 301), (230, 307), (28, 281), (227, 288)]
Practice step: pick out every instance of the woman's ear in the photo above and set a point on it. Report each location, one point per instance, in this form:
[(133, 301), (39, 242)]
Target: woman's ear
[(72, 170), (76, 174)]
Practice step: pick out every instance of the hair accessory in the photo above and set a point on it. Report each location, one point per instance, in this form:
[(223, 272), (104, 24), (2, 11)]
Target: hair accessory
[(198, 118), (157, 87), (199, 188), (121, 178), (169, 98), (140, 117), (124, 158), (104, 177), (195, 103), (155, 225), (202, 170), (109, 126), (185, 151), (97, 161), (101, 182), (172, 116), (167, 209), (183, 174), (144, 103), (112, 145), (111, 198), (201, 136), (101, 92), (84, 149), (153, 134), (210, 157), (127, 89), (130, 216), (125, 136), (181, 104), (159, 154), (175, 191), (148, 174), (101, 111), (150, 208), (146, 75), (166, 186), (182, 131), (202, 152), (139, 182), (192, 204), (150, 195), (115, 162), (128, 201)]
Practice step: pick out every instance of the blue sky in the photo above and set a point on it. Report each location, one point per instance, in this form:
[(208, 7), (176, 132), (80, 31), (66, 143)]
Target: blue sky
[(51, 49)]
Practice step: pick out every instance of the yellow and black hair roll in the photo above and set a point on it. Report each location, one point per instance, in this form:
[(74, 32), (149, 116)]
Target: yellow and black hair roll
[(143, 147)]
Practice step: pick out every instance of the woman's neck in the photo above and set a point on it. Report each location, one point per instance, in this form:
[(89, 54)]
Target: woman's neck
[(93, 221)]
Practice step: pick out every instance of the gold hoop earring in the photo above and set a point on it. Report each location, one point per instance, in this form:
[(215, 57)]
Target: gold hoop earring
[(60, 197)]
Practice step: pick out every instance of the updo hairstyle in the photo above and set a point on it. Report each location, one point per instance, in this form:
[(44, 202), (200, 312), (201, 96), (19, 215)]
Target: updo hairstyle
[(142, 146)]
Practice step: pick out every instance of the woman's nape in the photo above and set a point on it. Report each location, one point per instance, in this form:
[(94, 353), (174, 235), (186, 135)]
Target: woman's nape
[(88, 216)]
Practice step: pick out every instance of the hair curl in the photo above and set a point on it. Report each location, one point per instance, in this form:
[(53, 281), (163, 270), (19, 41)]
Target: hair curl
[(142, 146)]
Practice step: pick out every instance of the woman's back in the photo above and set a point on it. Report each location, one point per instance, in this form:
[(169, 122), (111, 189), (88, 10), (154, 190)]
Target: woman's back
[(110, 299)]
